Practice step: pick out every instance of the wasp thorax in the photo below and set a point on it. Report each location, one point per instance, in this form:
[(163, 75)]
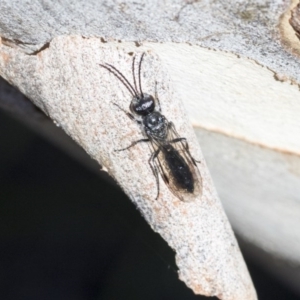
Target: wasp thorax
[(142, 105), (154, 121)]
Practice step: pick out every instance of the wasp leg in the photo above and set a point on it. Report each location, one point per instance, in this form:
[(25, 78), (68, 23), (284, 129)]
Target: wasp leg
[(184, 143), (129, 115), (153, 167), (132, 144)]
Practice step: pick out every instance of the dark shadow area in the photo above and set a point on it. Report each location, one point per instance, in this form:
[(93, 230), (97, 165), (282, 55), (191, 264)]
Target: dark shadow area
[(67, 234)]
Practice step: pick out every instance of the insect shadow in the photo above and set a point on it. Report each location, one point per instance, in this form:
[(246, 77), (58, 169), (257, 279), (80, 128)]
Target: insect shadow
[(170, 157)]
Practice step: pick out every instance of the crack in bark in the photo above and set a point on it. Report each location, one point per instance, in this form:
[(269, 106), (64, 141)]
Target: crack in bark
[(15, 43)]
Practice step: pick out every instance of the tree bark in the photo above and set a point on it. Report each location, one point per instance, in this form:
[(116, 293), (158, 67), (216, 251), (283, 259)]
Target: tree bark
[(234, 65)]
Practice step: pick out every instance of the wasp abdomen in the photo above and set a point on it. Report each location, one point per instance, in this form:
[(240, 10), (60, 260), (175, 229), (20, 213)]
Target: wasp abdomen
[(179, 169)]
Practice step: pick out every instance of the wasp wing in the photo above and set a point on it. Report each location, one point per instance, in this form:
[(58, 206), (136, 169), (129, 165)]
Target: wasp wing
[(177, 167)]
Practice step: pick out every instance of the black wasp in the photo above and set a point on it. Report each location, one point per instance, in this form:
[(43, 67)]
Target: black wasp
[(171, 157)]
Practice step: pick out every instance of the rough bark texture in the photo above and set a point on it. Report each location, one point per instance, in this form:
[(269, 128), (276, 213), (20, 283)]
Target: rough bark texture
[(246, 94), (78, 96)]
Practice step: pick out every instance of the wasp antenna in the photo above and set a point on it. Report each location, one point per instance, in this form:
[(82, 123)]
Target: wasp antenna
[(133, 74), (121, 77), (140, 65)]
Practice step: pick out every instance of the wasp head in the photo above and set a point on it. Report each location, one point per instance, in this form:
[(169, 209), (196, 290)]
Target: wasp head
[(142, 105)]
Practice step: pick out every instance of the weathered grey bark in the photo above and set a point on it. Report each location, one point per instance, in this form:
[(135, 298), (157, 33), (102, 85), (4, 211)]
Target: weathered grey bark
[(247, 90), (78, 97)]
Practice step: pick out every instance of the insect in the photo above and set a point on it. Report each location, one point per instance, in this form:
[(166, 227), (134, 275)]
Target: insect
[(170, 157)]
